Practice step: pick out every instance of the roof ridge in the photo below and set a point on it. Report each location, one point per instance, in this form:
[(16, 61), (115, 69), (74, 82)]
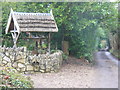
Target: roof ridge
[(29, 13)]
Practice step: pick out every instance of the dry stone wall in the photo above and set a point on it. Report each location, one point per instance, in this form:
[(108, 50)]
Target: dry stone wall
[(24, 61)]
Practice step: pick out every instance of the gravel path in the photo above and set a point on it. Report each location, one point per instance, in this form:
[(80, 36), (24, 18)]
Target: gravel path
[(79, 74)]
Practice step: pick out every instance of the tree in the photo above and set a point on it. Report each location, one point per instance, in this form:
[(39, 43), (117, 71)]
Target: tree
[(83, 24)]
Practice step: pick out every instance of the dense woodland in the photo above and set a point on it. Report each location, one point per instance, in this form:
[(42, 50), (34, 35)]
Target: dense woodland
[(82, 24)]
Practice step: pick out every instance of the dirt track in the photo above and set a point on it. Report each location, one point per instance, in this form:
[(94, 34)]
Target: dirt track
[(78, 74)]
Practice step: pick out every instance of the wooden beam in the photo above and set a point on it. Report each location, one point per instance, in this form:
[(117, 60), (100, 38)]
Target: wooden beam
[(15, 22), (54, 19), (36, 45), (49, 42), (15, 36), (13, 31), (8, 23)]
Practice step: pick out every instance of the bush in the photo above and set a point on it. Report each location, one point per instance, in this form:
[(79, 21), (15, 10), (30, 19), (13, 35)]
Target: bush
[(10, 78), (65, 57), (116, 53)]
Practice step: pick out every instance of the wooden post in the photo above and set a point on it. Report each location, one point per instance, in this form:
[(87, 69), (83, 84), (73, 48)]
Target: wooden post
[(36, 47), (49, 42), (15, 36), (65, 47)]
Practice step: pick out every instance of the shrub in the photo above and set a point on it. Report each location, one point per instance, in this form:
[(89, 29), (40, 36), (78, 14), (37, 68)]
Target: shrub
[(65, 57), (10, 78)]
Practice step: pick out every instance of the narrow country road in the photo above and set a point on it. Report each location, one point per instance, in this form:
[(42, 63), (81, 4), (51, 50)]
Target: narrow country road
[(105, 70), (78, 74)]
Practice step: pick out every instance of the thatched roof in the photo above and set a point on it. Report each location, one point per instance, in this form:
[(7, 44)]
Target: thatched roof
[(31, 22)]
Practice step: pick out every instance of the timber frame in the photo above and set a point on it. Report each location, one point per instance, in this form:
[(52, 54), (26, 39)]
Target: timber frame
[(19, 22)]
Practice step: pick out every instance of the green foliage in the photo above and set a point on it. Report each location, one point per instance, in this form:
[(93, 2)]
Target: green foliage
[(65, 57), (116, 53), (41, 51), (83, 24), (53, 51), (12, 79), (44, 45)]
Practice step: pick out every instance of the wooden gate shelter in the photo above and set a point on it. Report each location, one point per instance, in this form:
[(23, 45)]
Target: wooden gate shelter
[(30, 22)]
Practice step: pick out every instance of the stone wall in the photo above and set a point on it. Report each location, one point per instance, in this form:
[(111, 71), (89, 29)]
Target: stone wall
[(24, 61)]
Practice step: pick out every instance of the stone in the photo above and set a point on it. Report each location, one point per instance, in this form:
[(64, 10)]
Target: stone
[(49, 63), (12, 57), (15, 64), (0, 58), (36, 68), (21, 60), (20, 53), (33, 59), (23, 55), (1, 68), (4, 62), (1, 50), (7, 59), (7, 54), (25, 49), (22, 69), (0, 63), (52, 69), (20, 65), (55, 67), (18, 57), (48, 66), (48, 70), (9, 64), (42, 67), (2, 55), (43, 62), (56, 70), (29, 72), (29, 68), (42, 71), (18, 69)]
